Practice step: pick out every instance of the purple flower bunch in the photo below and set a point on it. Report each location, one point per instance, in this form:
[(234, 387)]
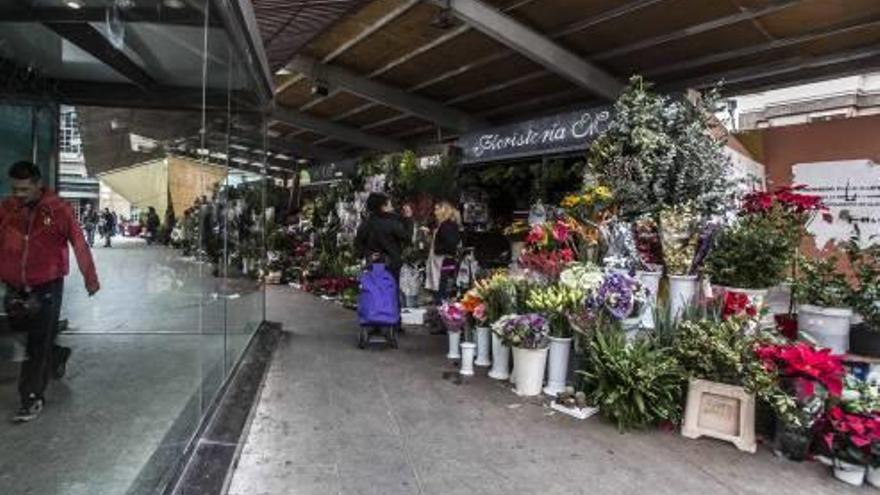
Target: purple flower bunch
[(620, 295), (526, 331)]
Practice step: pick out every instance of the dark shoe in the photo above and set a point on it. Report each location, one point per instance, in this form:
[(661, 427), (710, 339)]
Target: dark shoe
[(61, 358), (30, 409)]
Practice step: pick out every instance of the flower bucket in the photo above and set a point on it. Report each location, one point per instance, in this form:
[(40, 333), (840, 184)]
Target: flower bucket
[(864, 341), (851, 474), (468, 349), (500, 359), (557, 367), (483, 343), (829, 327), (529, 366), (873, 477), (682, 294), (651, 280), (454, 340)]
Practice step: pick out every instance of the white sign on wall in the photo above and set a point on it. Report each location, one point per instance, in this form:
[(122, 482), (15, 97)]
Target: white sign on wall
[(851, 190)]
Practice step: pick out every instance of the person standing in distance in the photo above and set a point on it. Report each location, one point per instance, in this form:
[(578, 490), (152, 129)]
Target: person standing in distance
[(36, 227), (90, 223)]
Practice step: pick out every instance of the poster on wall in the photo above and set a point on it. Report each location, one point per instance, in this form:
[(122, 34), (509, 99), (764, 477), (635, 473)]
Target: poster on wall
[(851, 190)]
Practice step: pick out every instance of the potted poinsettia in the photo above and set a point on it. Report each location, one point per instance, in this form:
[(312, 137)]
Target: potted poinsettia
[(848, 439), (754, 252), (809, 375), (527, 334)]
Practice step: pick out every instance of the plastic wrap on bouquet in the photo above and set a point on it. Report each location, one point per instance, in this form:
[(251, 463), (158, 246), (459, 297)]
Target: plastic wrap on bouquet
[(621, 243)]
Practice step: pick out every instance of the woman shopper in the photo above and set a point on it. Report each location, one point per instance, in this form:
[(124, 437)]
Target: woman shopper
[(444, 249), (382, 233)]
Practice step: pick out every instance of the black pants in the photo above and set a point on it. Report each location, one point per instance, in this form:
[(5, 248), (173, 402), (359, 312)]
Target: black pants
[(41, 329)]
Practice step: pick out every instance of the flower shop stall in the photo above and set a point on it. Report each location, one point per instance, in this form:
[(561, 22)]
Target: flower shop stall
[(640, 274)]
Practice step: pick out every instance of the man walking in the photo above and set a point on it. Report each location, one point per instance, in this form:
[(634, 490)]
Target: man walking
[(90, 223), (109, 226), (36, 227)]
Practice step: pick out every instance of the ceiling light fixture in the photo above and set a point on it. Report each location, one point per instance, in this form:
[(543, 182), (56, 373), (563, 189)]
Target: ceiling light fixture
[(174, 4), (74, 4)]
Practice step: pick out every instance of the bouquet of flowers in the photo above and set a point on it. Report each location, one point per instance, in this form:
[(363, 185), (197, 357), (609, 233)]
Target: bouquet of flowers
[(527, 331), (685, 241), (556, 302), (620, 296), (647, 239), (498, 293), (549, 236), (453, 316), (585, 277)]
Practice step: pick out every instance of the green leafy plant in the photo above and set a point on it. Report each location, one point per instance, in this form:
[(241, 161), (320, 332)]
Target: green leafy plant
[(724, 352), (865, 262), (750, 254), (820, 283), (634, 385), (660, 152)]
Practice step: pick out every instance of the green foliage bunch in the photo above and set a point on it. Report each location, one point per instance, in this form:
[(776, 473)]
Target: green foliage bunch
[(820, 283), (724, 352), (751, 254), (661, 152), (634, 385)]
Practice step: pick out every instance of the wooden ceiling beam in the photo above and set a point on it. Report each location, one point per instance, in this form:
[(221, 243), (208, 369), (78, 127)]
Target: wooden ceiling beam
[(337, 131), (386, 94), (534, 45)]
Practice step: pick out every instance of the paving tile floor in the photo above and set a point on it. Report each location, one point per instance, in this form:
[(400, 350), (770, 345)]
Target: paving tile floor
[(149, 353), (334, 419)]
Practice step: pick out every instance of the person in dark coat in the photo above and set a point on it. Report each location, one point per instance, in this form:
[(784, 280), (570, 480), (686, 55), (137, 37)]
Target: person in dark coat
[(153, 223), (382, 233)]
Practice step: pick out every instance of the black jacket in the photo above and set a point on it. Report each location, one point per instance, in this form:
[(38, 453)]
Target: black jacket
[(382, 233), (447, 239)]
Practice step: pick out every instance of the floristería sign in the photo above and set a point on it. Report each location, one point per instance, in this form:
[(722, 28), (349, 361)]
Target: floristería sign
[(571, 131)]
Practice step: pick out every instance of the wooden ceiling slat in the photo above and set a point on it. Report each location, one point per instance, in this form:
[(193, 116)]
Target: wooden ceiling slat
[(816, 14)]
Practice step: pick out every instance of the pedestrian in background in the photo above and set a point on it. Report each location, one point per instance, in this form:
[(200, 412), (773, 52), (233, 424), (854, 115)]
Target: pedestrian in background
[(36, 227), (109, 220), (442, 258), (90, 223)]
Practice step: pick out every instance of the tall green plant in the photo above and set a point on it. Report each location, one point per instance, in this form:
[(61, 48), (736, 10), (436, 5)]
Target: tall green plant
[(750, 254), (634, 385), (661, 152)]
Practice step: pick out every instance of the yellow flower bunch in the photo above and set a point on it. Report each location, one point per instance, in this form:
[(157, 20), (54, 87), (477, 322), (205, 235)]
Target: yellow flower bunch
[(589, 197)]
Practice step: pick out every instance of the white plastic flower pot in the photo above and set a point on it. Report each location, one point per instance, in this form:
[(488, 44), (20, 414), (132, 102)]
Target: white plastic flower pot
[(468, 350), (529, 366), (851, 474), (483, 346), (651, 281), (454, 341), (829, 327), (683, 291), (873, 477), (500, 359), (557, 365)]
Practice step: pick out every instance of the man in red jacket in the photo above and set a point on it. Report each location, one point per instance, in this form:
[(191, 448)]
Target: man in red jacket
[(36, 227)]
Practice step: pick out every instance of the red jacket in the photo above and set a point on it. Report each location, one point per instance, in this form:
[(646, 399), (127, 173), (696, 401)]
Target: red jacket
[(33, 243)]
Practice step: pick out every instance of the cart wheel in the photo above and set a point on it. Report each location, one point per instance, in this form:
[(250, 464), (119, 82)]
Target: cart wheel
[(392, 337), (363, 338)]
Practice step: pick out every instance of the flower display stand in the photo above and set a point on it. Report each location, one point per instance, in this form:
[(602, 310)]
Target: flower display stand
[(557, 367), (718, 410), (454, 347), (529, 366), (468, 350), (483, 346), (500, 359)]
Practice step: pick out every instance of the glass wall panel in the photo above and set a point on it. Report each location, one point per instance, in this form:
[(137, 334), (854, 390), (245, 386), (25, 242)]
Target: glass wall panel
[(171, 127)]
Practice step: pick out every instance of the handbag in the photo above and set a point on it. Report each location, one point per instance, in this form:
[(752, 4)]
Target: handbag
[(21, 304)]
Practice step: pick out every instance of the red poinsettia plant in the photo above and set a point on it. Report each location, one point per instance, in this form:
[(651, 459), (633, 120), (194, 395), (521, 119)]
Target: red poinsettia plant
[(849, 437), (805, 366), (737, 304), (786, 198)]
